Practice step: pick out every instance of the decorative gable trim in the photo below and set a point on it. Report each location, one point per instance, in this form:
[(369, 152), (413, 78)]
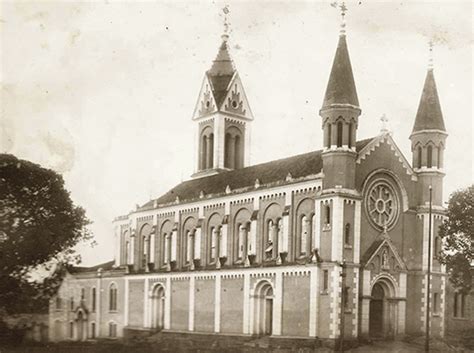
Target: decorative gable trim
[(387, 138), (243, 107), (205, 94), (387, 242)]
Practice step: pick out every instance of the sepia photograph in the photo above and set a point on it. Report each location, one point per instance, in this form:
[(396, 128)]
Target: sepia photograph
[(198, 176)]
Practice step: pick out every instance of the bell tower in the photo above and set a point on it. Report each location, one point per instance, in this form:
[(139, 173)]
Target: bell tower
[(340, 116), (222, 116), (428, 141)]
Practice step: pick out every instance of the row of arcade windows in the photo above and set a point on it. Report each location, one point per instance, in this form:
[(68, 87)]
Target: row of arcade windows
[(273, 236), (112, 330), (233, 149), (93, 299), (434, 157), (338, 139)]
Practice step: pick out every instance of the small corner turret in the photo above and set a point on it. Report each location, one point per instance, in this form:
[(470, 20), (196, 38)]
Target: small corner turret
[(340, 113), (428, 140), (223, 116)]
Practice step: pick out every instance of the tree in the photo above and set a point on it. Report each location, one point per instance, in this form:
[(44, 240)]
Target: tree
[(39, 224), (458, 234)]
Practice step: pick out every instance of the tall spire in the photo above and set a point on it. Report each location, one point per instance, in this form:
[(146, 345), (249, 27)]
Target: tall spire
[(222, 69), (222, 114), (341, 88), (429, 115)]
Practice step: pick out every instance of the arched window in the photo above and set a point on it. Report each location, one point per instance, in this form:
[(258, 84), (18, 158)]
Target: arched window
[(440, 157), (329, 137), (146, 250), (280, 236), (203, 152), (93, 299), (241, 244), (437, 246), (112, 329), (113, 297), (327, 215), (349, 142), (339, 134), (92, 335), (347, 234), (227, 151), (210, 151), (59, 303), (304, 235), (269, 240), (420, 157), (190, 246), (213, 244), (238, 152), (127, 252), (173, 241), (165, 246), (430, 157), (71, 329)]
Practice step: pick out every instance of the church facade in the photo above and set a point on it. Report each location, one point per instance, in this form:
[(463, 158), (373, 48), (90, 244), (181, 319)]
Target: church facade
[(306, 246)]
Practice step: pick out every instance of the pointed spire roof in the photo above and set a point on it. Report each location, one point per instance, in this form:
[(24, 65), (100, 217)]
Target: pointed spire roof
[(341, 86), (429, 115), (222, 71)]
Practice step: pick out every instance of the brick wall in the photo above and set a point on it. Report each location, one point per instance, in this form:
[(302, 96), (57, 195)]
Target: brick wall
[(204, 305), (232, 305), (295, 315), (179, 304)]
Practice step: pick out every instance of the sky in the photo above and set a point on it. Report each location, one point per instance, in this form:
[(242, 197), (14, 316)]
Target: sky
[(103, 91)]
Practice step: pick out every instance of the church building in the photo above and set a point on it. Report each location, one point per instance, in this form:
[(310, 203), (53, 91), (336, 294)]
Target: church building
[(307, 246)]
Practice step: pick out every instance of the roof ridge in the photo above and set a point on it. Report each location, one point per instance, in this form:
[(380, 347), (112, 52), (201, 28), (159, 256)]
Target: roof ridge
[(341, 87), (429, 115), (268, 173)]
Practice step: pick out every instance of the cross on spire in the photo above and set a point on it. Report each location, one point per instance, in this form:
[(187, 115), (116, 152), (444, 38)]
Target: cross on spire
[(343, 9), (384, 121), (430, 57), (225, 11)]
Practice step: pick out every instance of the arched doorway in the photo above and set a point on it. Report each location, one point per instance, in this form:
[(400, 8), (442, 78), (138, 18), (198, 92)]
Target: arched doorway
[(58, 336), (158, 307), (81, 323), (383, 310), (264, 308)]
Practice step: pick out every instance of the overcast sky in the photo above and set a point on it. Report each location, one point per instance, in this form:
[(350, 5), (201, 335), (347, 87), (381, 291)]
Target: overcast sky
[(103, 92)]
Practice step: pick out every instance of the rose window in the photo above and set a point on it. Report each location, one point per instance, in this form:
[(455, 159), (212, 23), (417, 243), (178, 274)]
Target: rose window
[(382, 204)]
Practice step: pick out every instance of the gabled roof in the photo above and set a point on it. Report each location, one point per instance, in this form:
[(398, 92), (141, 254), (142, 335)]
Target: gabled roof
[(341, 87), (429, 115), (375, 142), (374, 248), (104, 266), (221, 72), (299, 166)]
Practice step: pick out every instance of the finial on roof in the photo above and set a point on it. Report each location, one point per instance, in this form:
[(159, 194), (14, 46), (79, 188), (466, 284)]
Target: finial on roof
[(257, 183), (343, 8), (384, 120), (430, 57), (225, 35)]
